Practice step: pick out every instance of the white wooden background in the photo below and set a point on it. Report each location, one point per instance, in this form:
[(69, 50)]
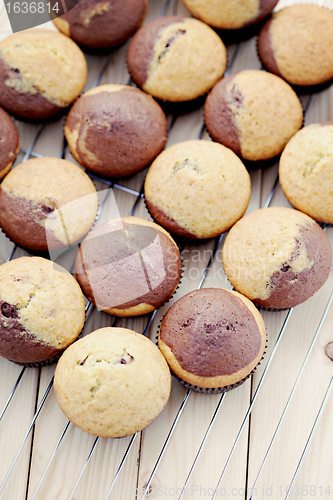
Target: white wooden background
[(316, 475)]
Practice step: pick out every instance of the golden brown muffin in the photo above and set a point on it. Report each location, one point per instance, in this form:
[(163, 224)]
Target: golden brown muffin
[(212, 338), (305, 56), (9, 143), (47, 203), (197, 189), (306, 171), (112, 383), (253, 113), (41, 310), (176, 58), (277, 257), (115, 130), (41, 73), (128, 266)]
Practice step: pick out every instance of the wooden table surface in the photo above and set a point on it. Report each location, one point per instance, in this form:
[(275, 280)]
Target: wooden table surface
[(282, 417)]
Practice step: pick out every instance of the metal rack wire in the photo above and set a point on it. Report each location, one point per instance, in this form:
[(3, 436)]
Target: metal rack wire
[(29, 152)]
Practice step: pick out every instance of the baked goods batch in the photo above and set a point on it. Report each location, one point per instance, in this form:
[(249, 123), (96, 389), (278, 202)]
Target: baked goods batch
[(212, 338)]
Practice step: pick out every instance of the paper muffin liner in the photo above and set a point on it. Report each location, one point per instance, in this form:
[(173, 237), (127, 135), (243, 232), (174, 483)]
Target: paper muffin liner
[(40, 364)]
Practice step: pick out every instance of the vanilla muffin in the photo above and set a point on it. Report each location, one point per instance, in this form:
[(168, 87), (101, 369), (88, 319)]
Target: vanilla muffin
[(9, 143), (176, 58), (277, 257), (253, 113), (102, 25), (41, 73), (305, 56), (41, 310), (212, 338), (197, 189), (112, 383), (306, 171), (115, 130), (228, 15), (128, 266), (47, 203)]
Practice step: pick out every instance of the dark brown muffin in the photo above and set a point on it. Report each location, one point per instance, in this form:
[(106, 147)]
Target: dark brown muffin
[(9, 143), (115, 130), (128, 267), (101, 25), (212, 338)]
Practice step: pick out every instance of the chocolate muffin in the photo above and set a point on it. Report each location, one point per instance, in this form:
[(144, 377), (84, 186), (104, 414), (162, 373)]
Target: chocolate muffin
[(306, 171), (230, 15), (176, 58), (197, 189), (112, 383), (41, 73), (47, 203), (254, 113), (277, 257), (9, 143), (212, 338), (305, 56), (128, 267), (115, 130), (41, 310), (102, 25)]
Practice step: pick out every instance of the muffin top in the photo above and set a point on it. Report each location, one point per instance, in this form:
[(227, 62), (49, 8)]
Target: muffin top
[(305, 56), (197, 189), (115, 130), (277, 257), (112, 383), (306, 171), (100, 25), (176, 58), (212, 337), (9, 143), (42, 72), (253, 113), (47, 203), (42, 309)]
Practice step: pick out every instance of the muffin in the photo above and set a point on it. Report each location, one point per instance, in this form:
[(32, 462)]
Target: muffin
[(305, 56), (112, 383), (41, 310), (115, 130), (128, 267), (47, 203), (230, 15), (212, 338), (306, 171), (176, 58), (102, 25), (253, 113), (41, 73), (197, 189), (9, 143), (277, 257)]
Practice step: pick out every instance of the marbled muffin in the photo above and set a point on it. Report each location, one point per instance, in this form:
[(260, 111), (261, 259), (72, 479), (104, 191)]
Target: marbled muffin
[(176, 58), (41, 73), (112, 383), (212, 338), (306, 171), (305, 56), (47, 203), (230, 15), (253, 113), (277, 257), (41, 310), (102, 24), (115, 130), (197, 189), (9, 143), (128, 266)]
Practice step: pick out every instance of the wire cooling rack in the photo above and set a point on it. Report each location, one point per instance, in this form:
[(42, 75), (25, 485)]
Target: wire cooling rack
[(271, 437)]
